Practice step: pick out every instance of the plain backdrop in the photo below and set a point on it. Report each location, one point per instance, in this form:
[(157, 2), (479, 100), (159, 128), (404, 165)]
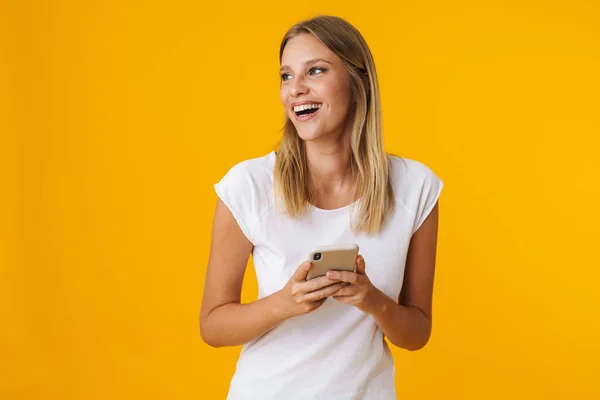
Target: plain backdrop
[(117, 117)]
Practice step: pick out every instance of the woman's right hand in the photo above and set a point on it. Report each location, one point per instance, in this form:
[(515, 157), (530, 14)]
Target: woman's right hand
[(300, 296)]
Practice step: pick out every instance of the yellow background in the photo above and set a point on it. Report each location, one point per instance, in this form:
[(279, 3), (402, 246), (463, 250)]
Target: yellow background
[(117, 117)]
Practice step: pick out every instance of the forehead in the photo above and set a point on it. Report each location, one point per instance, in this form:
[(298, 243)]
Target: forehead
[(305, 47)]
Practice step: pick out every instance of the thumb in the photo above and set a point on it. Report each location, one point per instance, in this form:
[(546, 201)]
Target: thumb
[(361, 267), (302, 271)]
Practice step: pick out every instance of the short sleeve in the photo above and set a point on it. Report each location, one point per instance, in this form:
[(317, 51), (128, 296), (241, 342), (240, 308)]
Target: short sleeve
[(429, 194), (235, 190)]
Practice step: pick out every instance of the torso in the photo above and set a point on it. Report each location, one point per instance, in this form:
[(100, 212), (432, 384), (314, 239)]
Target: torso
[(337, 351)]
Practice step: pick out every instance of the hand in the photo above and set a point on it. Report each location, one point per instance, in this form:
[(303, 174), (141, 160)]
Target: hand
[(358, 290), (300, 296)]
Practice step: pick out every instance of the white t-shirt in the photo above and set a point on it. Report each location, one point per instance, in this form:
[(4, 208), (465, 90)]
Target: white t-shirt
[(335, 352)]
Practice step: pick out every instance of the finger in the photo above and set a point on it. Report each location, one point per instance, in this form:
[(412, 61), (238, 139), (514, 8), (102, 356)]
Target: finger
[(318, 302), (345, 290), (342, 299), (317, 283), (313, 305), (324, 292), (361, 266), (345, 276), (302, 272)]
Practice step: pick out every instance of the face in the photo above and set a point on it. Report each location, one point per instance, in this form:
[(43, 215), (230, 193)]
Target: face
[(315, 88)]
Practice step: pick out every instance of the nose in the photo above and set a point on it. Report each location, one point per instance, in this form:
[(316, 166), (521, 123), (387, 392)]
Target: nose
[(299, 87)]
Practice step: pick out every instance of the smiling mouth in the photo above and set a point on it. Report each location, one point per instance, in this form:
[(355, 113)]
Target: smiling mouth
[(306, 112), (306, 109)]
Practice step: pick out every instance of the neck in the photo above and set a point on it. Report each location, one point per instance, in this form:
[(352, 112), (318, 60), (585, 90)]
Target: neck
[(329, 165)]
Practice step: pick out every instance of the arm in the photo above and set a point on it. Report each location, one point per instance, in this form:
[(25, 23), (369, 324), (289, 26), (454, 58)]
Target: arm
[(226, 322), (407, 324), (223, 320)]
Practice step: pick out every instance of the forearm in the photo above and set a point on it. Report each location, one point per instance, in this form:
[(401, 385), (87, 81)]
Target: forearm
[(234, 324), (406, 327)]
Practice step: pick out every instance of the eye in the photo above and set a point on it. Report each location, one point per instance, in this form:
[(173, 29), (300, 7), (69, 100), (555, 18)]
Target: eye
[(285, 77), (313, 69)]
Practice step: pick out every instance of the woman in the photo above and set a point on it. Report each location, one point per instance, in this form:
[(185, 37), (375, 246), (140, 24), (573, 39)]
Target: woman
[(330, 182)]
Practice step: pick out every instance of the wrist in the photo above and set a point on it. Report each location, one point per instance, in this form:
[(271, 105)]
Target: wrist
[(378, 303), (279, 311)]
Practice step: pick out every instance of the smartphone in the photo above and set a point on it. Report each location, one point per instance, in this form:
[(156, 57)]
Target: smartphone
[(339, 257)]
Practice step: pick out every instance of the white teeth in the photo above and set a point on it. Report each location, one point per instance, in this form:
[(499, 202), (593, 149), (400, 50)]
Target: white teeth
[(306, 107)]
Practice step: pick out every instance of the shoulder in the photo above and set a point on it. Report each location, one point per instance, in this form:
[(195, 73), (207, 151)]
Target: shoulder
[(246, 189), (407, 173), (257, 170), (413, 182), (405, 168)]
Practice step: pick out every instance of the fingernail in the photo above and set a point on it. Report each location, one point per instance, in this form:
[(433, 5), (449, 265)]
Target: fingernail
[(330, 274)]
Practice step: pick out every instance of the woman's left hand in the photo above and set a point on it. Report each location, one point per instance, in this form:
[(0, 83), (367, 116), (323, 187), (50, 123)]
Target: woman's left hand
[(359, 291)]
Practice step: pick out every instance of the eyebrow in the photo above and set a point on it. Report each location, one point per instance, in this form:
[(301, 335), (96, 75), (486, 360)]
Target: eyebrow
[(309, 62)]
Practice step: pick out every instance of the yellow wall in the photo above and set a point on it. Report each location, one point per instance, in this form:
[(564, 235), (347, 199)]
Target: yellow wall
[(117, 117)]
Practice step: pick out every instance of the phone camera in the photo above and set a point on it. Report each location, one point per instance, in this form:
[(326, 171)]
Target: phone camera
[(317, 256)]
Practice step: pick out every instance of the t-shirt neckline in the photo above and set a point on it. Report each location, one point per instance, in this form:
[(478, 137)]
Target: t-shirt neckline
[(272, 156)]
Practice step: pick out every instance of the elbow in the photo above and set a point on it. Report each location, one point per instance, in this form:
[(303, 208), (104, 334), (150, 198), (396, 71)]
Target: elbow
[(213, 344), (416, 346), (209, 340), (418, 342), (212, 333), (207, 336), (413, 345), (421, 342)]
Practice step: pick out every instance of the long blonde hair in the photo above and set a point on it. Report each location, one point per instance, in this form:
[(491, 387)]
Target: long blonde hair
[(369, 162)]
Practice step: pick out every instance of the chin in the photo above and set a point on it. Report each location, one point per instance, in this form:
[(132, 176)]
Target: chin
[(310, 136)]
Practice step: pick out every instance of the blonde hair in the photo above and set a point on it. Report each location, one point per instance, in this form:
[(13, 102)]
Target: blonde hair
[(369, 161)]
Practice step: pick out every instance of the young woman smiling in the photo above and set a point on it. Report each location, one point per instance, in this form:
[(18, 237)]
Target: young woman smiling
[(330, 182)]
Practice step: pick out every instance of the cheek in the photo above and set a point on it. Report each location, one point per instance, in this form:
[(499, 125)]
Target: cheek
[(339, 96), (283, 95)]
